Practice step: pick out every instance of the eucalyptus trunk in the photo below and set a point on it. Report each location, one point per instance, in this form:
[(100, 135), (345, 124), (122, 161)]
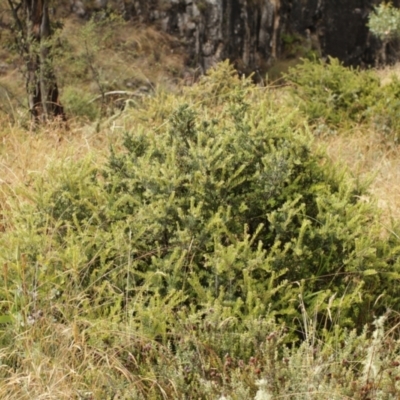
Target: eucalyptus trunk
[(32, 23), (43, 95)]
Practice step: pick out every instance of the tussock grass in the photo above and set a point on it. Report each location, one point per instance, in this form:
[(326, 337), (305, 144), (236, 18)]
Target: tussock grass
[(126, 51), (25, 153), (387, 73), (368, 156)]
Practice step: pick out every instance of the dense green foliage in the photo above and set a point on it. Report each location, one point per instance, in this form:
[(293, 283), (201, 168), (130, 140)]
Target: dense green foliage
[(338, 96)]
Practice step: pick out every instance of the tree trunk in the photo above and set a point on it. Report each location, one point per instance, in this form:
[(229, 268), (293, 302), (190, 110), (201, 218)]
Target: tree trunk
[(41, 82), (33, 37)]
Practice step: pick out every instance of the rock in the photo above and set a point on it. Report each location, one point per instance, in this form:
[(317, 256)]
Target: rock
[(249, 32), (101, 4), (78, 8), (3, 68)]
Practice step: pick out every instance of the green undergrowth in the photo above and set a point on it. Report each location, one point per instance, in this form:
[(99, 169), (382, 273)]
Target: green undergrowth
[(213, 254), (333, 97)]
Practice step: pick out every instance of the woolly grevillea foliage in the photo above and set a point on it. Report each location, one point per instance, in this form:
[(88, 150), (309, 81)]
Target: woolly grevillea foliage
[(333, 97), (216, 201)]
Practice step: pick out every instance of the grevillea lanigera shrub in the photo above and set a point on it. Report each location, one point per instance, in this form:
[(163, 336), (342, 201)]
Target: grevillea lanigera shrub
[(214, 202), (329, 93)]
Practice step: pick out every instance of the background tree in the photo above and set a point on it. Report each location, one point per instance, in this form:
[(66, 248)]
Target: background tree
[(384, 23), (33, 31)]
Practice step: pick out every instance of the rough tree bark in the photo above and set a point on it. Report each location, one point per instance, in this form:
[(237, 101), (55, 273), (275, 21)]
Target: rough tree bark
[(33, 33), (250, 32)]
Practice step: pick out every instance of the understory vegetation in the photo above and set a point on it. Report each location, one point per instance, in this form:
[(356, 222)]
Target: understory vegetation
[(200, 243)]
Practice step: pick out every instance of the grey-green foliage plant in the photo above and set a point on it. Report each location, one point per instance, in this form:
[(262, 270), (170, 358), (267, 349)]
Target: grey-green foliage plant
[(220, 205), (384, 21)]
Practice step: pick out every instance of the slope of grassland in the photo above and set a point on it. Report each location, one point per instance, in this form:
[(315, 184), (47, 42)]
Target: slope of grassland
[(78, 322)]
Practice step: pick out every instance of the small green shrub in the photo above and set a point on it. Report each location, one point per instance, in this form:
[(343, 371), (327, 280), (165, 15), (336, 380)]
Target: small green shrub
[(385, 113), (329, 93), (78, 103), (332, 92)]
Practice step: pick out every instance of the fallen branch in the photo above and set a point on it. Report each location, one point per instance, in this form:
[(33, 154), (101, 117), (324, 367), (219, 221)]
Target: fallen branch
[(116, 92)]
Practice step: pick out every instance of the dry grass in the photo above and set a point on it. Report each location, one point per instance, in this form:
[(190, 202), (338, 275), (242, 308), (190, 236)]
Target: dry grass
[(56, 362), (368, 157), (25, 155), (386, 74), (128, 55)]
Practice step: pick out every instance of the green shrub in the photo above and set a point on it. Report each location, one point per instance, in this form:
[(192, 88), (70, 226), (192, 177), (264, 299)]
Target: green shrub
[(78, 103), (385, 113), (329, 93), (223, 206)]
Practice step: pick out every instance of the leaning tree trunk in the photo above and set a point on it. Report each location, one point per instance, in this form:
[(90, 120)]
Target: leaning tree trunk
[(41, 82)]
